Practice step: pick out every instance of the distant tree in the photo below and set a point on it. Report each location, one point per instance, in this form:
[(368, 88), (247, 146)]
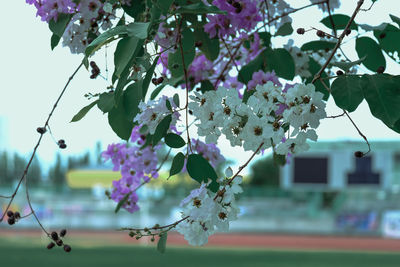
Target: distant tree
[(99, 159), (19, 164), (5, 176), (79, 161), (265, 172), (34, 175), (57, 172)]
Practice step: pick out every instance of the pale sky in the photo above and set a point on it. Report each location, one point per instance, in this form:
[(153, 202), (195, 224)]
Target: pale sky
[(32, 76)]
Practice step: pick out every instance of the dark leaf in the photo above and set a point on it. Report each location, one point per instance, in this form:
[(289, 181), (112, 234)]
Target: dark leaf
[(367, 47), (83, 111), (161, 129), (201, 170), (174, 140), (347, 92), (177, 164)]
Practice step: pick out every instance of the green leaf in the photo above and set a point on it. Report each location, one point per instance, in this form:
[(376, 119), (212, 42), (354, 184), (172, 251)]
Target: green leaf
[(58, 28), (280, 61), (55, 39), (382, 92), (123, 53), (156, 91), (164, 5), (199, 8), (347, 65), (174, 140), (147, 78), (201, 170), (246, 72), (131, 99), (106, 102), (395, 19), (318, 45), (162, 242), (177, 164), (266, 38), (347, 92), (135, 9), (389, 39), (103, 39), (121, 116), (285, 29), (122, 202), (314, 67), (210, 47), (123, 79), (175, 64), (175, 81), (138, 29), (340, 21), (366, 46), (168, 104), (162, 129), (279, 160), (206, 86), (175, 98), (83, 111)]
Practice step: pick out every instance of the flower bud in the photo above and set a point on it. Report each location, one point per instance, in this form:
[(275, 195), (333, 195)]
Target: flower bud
[(358, 154), (301, 31)]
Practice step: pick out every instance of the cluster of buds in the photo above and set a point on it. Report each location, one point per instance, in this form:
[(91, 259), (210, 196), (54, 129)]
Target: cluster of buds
[(13, 217), (61, 144), (58, 241), (95, 70), (156, 230), (157, 81), (41, 130)]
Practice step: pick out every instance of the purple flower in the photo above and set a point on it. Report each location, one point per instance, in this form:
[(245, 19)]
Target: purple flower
[(137, 166), (261, 77)]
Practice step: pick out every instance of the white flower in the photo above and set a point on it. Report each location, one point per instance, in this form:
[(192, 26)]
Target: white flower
[(300, 59), (196, 233), (256, 131), (153, 112)]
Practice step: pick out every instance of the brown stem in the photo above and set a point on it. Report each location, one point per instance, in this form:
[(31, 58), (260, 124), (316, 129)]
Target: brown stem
[(36, 147), (179, 39), (339, 42)]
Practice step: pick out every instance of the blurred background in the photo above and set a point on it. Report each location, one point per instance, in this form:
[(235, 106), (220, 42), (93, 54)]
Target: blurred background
[(324, 208)]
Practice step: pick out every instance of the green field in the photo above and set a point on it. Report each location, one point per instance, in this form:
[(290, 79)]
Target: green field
[(16, 254)]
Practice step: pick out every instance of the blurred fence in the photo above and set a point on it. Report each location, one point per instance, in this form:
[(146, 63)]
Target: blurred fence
[(261, 210)]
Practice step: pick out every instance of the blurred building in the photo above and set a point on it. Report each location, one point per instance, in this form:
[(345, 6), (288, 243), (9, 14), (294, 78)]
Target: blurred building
[(333, 166)]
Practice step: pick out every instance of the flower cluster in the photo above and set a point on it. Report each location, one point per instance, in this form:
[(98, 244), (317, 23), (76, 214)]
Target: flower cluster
[(154, 111), (85, 25), (89, 17), (241, 15), (263, 120), (300, 58), (50, 9), (137, 166), (260, 77), (207, 213)]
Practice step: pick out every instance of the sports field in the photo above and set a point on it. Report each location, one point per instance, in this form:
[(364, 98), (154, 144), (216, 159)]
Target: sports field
[(29, 250)]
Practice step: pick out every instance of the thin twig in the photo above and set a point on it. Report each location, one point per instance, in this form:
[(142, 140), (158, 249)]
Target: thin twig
[(37, 145), (340, 39), (185, 72)]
